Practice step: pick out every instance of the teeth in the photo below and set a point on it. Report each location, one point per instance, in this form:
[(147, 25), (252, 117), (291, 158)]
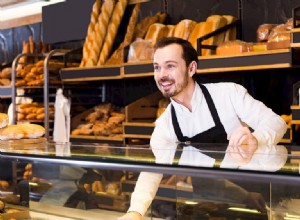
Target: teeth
[(165, 83)]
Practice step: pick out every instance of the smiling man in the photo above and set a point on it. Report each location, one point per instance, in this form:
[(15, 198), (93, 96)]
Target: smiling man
[(208, 113)]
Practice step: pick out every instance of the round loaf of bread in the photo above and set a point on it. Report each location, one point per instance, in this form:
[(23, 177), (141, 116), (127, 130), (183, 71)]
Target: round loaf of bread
[(3, 120), (11, 132), (32, 130)]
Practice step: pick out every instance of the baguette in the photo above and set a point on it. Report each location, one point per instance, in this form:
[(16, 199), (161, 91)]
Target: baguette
[(100, 32), (112, 30), (94, 16), (117, 56)]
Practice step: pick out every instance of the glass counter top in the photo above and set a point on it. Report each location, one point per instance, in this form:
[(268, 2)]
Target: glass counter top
[(276, 158)]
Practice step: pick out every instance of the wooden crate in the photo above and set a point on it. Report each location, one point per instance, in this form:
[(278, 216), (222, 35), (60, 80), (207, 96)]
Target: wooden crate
[(140, 116), (143, 109)]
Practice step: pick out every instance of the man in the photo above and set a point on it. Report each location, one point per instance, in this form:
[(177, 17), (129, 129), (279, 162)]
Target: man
[(211, 113)]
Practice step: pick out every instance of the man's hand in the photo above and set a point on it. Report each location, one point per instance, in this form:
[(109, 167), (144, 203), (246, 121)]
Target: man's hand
[(242, 145), (131, 216), (242, 136)]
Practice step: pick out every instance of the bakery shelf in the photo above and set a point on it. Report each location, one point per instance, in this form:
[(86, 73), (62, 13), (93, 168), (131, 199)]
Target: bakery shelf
[(137, 69), (5, 91), (90, 74), (282, 58)]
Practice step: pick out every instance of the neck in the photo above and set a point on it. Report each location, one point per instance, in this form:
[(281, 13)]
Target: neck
[(185, 97)]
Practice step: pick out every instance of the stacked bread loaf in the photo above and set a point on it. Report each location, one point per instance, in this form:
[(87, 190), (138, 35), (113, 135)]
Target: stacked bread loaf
[(19, 131)]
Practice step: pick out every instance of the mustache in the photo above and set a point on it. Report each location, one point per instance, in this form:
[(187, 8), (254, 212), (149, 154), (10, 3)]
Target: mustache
[(165, 78)]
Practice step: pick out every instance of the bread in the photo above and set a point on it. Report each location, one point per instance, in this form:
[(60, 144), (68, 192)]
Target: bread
[(281, 40), (171, 29), (213, 23), (11, 132), (142, 27), (117, 56), (32, 130), (232, 48), (140, 50), (156, 31), (263, 32), (184, 28), (94, 16), (99, 33), (112, 30), (230, 34), (3, 120), (197, 32)]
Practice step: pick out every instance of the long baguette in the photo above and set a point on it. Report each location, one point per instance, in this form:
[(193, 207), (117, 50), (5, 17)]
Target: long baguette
[(117, 56), (94, 16), (112, 30), (100, 32)]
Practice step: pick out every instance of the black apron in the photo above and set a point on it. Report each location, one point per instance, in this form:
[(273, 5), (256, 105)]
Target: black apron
[(216, 134)]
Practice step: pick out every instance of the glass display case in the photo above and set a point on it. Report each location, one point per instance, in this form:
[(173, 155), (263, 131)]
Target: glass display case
[(200, 181)]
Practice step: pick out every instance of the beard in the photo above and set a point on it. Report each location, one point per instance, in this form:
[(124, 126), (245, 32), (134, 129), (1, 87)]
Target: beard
[(175, 87)]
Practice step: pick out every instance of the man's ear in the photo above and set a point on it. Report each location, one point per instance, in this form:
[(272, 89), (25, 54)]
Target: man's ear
[(192, 68)]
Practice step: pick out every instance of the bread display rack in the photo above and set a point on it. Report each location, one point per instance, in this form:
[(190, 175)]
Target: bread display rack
[(45, 88)]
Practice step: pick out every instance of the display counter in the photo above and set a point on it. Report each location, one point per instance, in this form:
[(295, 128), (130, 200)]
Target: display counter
[(200, 181)]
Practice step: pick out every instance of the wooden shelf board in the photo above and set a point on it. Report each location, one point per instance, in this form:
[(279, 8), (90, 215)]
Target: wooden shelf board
[(30, 19), (92, 137)]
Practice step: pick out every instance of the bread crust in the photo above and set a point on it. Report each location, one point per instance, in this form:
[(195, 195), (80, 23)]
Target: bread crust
[(112, 30), (99, 33)]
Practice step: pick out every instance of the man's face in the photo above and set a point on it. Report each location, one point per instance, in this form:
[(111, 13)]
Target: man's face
[(170, 71)]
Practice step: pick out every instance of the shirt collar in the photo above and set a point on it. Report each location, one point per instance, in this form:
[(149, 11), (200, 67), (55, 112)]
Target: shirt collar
[(196, 99)]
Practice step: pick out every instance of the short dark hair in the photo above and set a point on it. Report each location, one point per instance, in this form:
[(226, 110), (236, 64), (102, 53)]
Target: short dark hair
[(189, 54)]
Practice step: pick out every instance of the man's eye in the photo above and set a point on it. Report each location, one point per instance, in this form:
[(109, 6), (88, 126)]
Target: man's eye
[(170, 66), (156, 68)]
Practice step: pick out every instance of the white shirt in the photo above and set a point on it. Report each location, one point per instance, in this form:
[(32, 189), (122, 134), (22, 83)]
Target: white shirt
[(235, 107)]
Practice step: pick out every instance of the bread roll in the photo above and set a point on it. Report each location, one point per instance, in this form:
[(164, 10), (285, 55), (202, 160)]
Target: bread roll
[(184, 28), (11, 132), (213, 23), (32, 130), (3, 120), (230, 34), (94, 16), (99, 33), (197, 32), (156, 31)]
